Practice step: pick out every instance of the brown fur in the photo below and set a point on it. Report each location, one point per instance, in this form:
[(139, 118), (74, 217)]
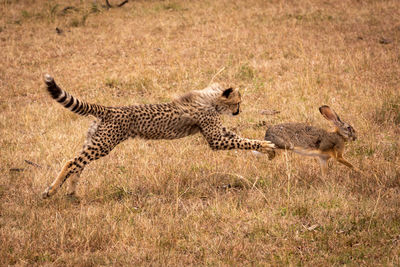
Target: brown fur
[(311, 141)]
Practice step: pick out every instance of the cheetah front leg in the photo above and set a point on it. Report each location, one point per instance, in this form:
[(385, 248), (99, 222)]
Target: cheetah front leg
[(220, 138), (265, 147)]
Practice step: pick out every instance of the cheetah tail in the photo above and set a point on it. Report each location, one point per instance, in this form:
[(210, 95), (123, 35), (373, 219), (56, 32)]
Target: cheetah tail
[(70, 102)]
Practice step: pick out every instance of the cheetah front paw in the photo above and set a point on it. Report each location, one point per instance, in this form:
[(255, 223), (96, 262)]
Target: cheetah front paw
[(268, 148)]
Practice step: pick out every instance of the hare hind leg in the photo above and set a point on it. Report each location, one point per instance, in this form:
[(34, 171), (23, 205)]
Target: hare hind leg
[(345, 162), (340, 159), (348, 164), (323, 162)]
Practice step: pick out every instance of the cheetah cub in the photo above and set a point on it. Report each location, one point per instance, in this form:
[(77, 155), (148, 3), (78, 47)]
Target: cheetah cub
[(195, 112)]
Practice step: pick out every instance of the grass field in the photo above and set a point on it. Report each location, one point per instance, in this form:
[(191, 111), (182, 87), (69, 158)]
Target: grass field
[(177, 202)]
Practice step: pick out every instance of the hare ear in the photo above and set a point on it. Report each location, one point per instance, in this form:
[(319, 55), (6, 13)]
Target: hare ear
[(329, 114)]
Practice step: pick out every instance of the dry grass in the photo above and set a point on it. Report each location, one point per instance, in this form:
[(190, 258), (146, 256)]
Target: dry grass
[(178, 202)]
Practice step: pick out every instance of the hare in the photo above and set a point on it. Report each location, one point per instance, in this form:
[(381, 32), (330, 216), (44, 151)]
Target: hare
[(311, 141)]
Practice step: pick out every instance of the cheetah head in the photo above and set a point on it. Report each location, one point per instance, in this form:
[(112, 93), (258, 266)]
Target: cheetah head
[(229, 102)]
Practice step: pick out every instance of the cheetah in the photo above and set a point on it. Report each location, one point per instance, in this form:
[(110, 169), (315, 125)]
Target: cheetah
[(197, 111)]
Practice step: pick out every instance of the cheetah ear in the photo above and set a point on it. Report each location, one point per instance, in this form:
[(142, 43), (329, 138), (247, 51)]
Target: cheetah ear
[(227, 92)]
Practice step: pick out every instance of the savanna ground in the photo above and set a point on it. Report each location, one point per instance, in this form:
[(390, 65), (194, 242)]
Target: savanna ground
[(178, 202)]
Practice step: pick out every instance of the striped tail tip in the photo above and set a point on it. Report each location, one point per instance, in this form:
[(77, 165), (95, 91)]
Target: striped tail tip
[(48, 79), (52, 87)]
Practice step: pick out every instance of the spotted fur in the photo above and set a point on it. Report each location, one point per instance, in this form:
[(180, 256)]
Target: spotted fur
[(195, 112)]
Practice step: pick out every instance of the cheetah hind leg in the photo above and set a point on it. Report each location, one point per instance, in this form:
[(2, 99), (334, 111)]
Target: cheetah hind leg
[(92, 150), (65, 172), (72, 183), (73, 168)]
